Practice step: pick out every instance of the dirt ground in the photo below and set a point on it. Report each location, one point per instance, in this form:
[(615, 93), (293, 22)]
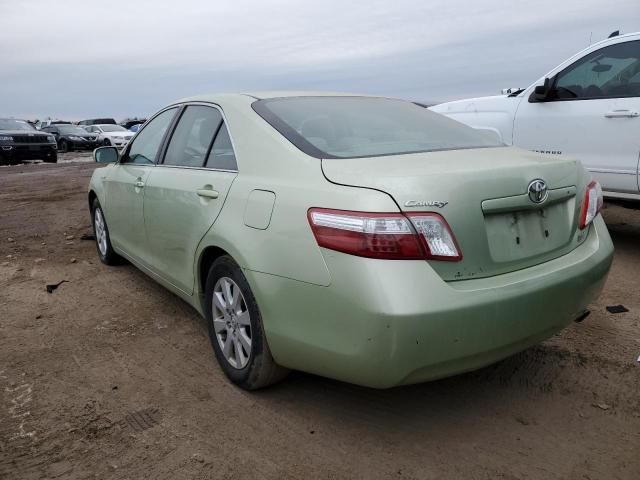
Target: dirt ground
[(111, 376)]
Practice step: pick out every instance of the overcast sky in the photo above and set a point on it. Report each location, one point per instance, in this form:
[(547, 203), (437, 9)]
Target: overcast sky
[(82, 58)]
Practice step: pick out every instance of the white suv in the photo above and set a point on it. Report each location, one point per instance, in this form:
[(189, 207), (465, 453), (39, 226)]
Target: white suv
[(588, 107)]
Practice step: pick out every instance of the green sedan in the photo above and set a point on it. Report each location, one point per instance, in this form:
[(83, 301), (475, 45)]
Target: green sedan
[(360, 238)]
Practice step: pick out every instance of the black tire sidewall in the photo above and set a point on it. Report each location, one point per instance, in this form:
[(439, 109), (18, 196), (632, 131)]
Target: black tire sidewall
[(226, 267)]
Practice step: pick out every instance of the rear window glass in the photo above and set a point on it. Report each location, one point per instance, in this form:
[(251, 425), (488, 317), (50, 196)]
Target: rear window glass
[(351, 127)]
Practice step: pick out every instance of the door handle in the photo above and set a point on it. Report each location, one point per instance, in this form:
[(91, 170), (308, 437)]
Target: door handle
[(207, 192), (139, 183), (621, 114)]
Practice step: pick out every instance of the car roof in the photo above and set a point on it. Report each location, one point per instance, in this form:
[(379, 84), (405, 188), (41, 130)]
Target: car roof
[(292, 93), (228, 99)]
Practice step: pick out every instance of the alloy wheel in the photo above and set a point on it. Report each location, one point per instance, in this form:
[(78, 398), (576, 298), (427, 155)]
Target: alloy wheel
[(101, 231), (231, 322)]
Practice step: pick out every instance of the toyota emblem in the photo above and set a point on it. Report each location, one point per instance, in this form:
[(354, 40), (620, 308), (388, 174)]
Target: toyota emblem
[(538, 191)]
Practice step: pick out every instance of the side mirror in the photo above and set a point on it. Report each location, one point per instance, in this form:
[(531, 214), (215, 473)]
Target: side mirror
[(541, 92), (106, 155)]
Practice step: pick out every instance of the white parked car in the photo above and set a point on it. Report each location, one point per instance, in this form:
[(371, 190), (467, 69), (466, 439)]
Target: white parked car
[(110, 135), (587, 107)]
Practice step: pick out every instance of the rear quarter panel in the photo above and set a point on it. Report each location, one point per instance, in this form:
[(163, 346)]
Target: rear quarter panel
[(267, 161)]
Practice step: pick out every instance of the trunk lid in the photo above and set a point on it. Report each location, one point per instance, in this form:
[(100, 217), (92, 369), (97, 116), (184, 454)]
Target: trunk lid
[(483, 195)]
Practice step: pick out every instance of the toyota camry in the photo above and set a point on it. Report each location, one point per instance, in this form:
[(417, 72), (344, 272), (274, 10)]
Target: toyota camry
[(365, 239)]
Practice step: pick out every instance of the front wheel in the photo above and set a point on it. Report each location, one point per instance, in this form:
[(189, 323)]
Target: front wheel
[(106, 142), (52, 158), (236, 330), (63, 147), (103, 242)]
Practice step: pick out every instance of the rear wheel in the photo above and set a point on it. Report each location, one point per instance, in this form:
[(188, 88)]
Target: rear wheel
[(103, 243), (63, 146), (236, 330)]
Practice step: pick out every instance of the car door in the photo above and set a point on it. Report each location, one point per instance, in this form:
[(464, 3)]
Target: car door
[(593, 114), (125, 189), (186, 191)]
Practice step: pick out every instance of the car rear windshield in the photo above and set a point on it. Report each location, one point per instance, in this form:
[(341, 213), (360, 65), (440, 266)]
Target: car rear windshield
[(352, 127)]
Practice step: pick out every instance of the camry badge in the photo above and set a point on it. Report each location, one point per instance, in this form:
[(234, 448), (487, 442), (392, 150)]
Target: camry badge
[(538, 191), (425, 203)]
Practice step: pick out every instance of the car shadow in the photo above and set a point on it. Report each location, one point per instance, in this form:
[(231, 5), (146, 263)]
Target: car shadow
[(544, 371)]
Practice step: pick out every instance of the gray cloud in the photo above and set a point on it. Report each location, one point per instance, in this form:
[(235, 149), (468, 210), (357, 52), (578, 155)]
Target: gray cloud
[(76, 58)]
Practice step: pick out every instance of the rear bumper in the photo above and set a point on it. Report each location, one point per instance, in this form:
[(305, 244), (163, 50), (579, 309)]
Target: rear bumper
[(384, 323)]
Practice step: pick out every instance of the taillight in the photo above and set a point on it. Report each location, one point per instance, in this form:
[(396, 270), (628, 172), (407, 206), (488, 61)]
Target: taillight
[(591, 205), (437, 235), (391, 236)]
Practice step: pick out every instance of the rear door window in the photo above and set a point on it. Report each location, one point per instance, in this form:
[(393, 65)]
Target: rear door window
[(222, 156), (191, 140)]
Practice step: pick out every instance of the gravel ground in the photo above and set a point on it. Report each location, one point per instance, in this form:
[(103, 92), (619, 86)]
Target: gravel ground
[(111, 376)]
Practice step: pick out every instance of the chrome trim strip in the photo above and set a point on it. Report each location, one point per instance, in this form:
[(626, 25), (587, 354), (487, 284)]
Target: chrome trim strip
[(196, 168), (608, 170)]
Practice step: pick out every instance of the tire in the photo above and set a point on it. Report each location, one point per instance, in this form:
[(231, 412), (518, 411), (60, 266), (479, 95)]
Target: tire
[(106, 142), (229, 333), (103, 243), (63, 147), (53, 158)]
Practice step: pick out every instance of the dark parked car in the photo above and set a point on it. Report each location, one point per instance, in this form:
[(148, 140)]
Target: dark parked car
[(20, 141), (71, 137), (40, 124), (98, 121)]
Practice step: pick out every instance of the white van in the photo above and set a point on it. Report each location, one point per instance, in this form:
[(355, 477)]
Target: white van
[(588, 107)]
